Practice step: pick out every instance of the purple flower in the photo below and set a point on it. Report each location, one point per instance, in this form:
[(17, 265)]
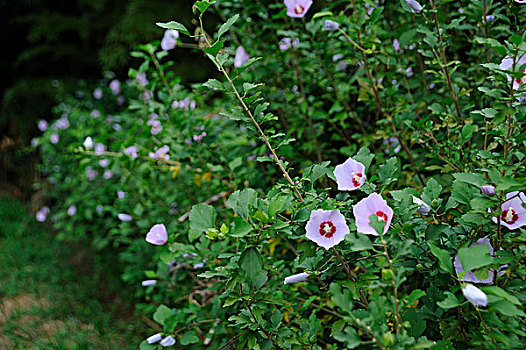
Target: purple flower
[(108, 174), (199, 265), (475, 295), (132, 152), (161, 153), (513, 213), (489, 18), (297, 8), (146, 96), (374, 204), (157, 235), (507, 64), (61, 124), (300, 277), (100, 149), (287, 43), (41, 215), (396, 45), (331, 26), (392, 142), (147, 283), (169, 39), (414, 5), (140, 78), (115, 86), (423, 208), (99, 209), (156, 126), (90, 173), (470, 275), (97, 93), (121, 100), (168, 341), (124, 217), (241, 57), (154, 338), (121, 194), (104, 162), (88, 143), (326, 228), (42, 125), (350, 175), (95, 113), (370, 9), (54, 138), (489, 190), (72, 210)]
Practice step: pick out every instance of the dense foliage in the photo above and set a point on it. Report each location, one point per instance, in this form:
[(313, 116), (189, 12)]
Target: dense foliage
[(369, 155)]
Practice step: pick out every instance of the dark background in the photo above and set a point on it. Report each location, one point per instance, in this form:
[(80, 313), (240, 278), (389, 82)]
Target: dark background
[(69, 42)]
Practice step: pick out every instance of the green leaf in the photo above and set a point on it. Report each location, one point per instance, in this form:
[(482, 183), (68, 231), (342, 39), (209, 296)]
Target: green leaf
[(444, 259), (251, 262), (467, 132), (322, 14), (202, 217), (189, 337), (502, 294), (364, 156), (226, 26), (432, 189), (450, 301), (387, 171), (377, 225), (174, 25), (507, 308), (359, 242), (162, 313), (279, 203), (316, 171), (241, 228), (276, 319), (214, 84), (508, 184), (202, 6), (240, 201), (145, 346), (474, 257), (214, 49), (349, 336)]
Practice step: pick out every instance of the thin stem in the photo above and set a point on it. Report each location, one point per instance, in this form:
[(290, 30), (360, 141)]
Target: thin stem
[(256, 124), (486, 328), (398, 320), (444, 61), (484, 22), (299, 78), (351, 276)]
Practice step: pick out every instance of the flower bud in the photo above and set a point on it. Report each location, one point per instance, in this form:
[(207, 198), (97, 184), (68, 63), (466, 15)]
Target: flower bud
[(489, 190), (331, 26), (414, 5), (300, 277), (475, 295), (168, 341), (154, 338)]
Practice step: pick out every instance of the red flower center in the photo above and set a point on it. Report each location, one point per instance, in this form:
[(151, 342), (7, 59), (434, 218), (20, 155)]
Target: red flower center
[(381, 215), (509, 216), (357, 179), (327, 229), (298, 9), (521, 80)]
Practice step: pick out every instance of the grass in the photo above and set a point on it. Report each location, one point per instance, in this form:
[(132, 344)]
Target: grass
[(55, 295)]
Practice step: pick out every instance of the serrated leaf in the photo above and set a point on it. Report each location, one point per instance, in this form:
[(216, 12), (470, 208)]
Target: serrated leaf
[(174, 25), (162, 313), (251, 262), (444, 259), (189, 337), (214, 49), (214, 84), (202, 217), (226, 26), (451, 301)]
